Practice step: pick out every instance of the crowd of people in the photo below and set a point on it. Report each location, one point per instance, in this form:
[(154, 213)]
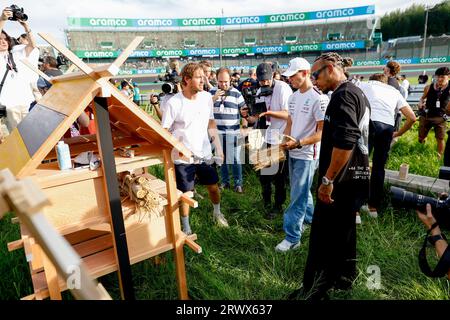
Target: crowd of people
[(326, 121)]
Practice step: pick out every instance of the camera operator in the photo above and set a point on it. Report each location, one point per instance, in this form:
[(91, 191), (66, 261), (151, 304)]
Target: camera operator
[(433, 108), (155, 103), (436, 238), (276, 99), (250, 82), (16, 81)]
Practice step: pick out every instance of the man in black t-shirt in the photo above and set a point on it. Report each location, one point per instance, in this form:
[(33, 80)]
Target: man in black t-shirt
[(344, 176)]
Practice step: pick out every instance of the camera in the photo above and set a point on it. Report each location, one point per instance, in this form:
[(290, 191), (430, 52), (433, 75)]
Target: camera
[(171, 86), (18, 13), (410, 200), (250, 95)]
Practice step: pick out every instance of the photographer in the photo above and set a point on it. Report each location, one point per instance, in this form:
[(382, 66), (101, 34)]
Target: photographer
[(275, 95), (433, 108), (154, 102), (16, 81), (435, 237)]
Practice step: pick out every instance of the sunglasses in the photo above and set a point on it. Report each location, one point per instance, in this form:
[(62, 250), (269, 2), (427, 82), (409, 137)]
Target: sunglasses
[(315, 75)]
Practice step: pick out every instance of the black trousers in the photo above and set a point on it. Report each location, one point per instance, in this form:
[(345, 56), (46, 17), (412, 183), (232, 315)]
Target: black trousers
[(279, 179), (332, 247), (380, 138)]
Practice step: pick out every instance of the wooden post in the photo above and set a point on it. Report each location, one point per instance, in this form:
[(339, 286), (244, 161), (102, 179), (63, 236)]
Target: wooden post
[(104, 137), (173, 215)]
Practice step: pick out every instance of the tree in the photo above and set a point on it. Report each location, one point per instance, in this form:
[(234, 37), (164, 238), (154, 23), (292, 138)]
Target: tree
[(411, 21)]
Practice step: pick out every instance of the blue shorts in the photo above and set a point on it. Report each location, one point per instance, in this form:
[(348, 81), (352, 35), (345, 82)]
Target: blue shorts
[(186, 173)]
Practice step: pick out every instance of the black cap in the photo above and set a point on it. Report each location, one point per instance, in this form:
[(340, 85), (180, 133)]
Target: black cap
[(264, 72), (443, 71)]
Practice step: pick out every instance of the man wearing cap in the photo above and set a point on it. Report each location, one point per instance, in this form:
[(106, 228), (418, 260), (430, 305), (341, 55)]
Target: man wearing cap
[(275, 94), (307, 107), (433, 108)]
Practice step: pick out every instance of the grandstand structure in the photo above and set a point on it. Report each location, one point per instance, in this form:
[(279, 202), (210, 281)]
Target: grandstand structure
[(241, 42), (230, 41)]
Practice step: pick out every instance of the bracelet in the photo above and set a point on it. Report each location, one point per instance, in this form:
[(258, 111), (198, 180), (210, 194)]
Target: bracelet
[(433, 239), (434, 226)]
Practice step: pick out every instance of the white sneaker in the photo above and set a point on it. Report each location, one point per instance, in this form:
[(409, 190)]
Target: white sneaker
[(285, 246), (358, 220), (221, 221), (364, 208), (373, 214)]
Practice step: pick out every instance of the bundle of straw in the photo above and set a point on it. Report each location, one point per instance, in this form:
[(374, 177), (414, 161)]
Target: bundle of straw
[(264, 158), (138, 189)]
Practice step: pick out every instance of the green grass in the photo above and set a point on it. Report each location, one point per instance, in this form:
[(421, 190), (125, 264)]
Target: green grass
[(240, 262)]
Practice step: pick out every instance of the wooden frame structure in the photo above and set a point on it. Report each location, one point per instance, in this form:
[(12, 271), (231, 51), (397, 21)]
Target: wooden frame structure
[(27, 201), (86, 207)]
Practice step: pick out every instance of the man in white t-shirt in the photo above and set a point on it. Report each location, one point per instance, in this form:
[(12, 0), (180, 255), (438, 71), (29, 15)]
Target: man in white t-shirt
[(385, 102), (275, 94), (405, 85), (189, 117), (307, 107)]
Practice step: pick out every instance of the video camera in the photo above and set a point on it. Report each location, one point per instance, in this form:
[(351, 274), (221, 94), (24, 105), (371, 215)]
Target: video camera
[(410, 200), (171, 83), (250, 96), (18, 13)]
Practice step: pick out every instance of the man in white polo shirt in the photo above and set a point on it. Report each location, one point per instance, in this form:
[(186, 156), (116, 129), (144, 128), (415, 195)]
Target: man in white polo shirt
[(307, 107), (189, 117), (385, 102)]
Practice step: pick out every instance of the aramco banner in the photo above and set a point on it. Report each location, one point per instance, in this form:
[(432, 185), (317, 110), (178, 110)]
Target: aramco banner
[(120, 23)]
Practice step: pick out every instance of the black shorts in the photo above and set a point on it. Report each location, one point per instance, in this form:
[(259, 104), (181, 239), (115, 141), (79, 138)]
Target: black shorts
[(186, 173)]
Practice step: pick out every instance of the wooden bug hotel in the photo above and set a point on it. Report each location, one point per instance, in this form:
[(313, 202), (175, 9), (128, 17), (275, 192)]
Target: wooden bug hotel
[(109, 231)]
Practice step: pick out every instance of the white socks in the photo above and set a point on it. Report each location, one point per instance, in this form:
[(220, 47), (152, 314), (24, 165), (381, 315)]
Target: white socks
[(217, 209)]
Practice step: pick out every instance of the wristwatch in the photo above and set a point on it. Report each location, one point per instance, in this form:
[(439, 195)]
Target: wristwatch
[(299, 145), (326, 181), (433, 239)]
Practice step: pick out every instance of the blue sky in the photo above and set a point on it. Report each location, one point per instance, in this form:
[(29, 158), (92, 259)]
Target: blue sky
[(50, 16)]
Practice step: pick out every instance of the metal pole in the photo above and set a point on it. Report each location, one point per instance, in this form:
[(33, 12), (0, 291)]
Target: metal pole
[(220, 40), (425, 32)]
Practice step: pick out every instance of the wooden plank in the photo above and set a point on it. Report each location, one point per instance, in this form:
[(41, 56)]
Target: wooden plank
[(67, 53), (127, 52), (77, 106), (76, 149), (52, 279), (103, 263), (143, 120), (88, 234), (175, 233), (189, 201), (76, 203), (66, 97), (93, 246), (13, 153), (15, 245), (27, 63), (38, 256), (194, 246)]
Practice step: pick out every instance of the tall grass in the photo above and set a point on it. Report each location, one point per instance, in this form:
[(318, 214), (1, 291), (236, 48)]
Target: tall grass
[(241, 263)]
